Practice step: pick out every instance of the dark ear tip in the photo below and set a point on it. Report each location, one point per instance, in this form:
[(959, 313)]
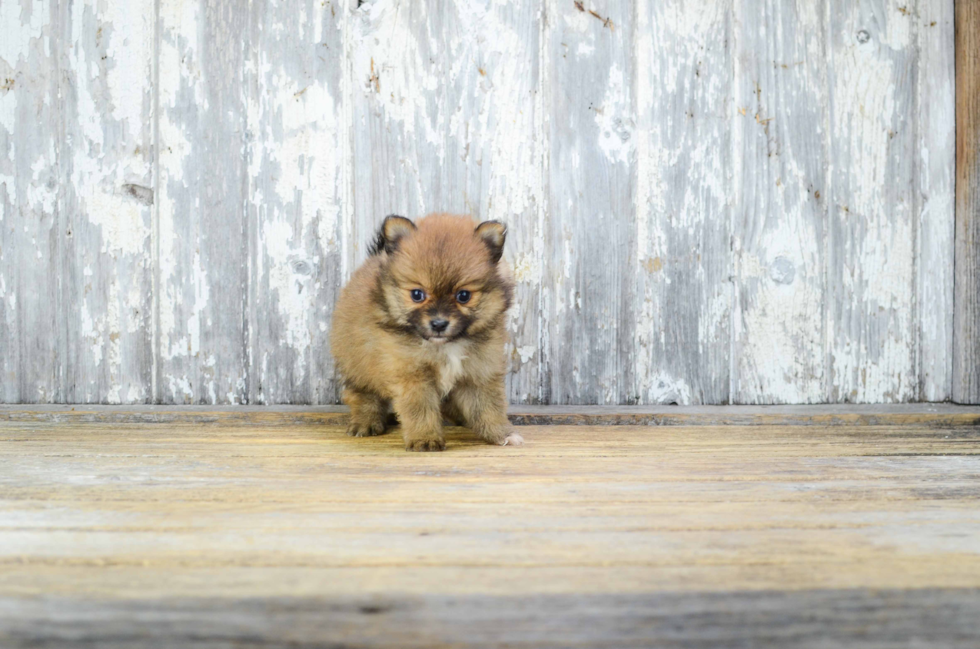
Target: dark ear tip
[(494, 229), (491, 223), (395, 226), (493, 233), (393, 229), (398, 217)]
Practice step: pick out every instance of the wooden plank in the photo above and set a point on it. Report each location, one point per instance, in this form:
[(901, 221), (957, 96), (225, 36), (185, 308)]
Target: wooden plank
[(699, 535), (781, 125), (872, 196), (107, 165), (862, 619), (683, 293), (33, 354), (935, 98), (966, 335), (592, 269), (296, 196), (924, 415), (447, 117), (201, 237)]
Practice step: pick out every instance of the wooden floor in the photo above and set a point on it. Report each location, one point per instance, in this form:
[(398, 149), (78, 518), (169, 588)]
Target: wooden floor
[(261, 531)]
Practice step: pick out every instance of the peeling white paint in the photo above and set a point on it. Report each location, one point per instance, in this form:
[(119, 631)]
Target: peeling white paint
[(130, 49), (936, 190), (18, 35), (180, 389), (682, 191), (296, 167), (195, 324), (527, 352), (7, 187), (873, 361), (120, 217), (177, 148), (614, 119), (8, 116), (135, 394), (403, 96), (462, 110), (528, 269), (43, 191), (666, 389), (92, 333), (294, 307)]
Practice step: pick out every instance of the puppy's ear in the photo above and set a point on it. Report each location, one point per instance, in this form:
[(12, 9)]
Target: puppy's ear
[(493, 234), (393, 230)]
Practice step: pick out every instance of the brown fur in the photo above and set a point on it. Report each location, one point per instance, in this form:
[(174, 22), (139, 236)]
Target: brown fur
[(388, 352)]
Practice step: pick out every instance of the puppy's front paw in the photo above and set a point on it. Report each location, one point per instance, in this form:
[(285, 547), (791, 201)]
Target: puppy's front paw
[(362, 429), (514, 439), (504, 435), (426, 444)]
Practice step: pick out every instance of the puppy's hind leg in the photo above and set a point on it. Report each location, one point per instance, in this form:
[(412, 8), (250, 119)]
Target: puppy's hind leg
[(451, 413), (368, 413)]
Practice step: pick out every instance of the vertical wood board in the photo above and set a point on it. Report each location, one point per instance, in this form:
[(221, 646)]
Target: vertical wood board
[(683, 298), (296, 193), (781, 129), (592, 220), (201, 239), (935, 151), (966, 336), (107, 175), (871, 316), (34, 352)]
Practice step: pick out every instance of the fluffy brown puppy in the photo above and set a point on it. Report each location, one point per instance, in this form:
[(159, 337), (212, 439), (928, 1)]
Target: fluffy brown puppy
[(420, 329)]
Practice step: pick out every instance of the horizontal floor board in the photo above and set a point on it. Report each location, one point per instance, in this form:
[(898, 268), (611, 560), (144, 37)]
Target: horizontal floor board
[(257, 528)]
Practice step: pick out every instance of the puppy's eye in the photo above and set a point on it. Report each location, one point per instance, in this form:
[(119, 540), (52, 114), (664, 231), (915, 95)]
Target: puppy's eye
[(463, 297), (418, 295)]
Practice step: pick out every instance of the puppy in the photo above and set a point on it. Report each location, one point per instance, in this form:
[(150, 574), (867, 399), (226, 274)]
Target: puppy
[(420, 329)]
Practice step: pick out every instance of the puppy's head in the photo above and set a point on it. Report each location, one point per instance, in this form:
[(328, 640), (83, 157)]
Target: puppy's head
[(440, 278)]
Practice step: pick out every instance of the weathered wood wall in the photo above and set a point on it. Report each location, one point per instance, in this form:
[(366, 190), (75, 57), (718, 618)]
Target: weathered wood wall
[(728, 201), (966, 336)]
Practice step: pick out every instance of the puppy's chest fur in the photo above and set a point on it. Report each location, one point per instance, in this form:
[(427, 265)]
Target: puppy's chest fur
[(449, 364)]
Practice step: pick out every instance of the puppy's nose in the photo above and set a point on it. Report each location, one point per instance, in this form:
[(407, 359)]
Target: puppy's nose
[(439, 326)]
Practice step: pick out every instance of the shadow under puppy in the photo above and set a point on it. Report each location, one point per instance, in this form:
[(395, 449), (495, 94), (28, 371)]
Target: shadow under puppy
[(420, 329)]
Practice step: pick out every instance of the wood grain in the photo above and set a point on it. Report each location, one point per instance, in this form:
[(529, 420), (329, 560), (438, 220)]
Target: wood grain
[(781, 158), (683, 295), (107, 164), (871, 195), (219, 535), (33, 222), (592, 226), (966, 336), (935, 98), (201, 234), (733, 201), (858, 618), (297, 190)]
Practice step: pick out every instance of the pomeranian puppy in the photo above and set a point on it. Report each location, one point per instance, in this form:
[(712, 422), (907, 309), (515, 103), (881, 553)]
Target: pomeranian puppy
[(420, 329)]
